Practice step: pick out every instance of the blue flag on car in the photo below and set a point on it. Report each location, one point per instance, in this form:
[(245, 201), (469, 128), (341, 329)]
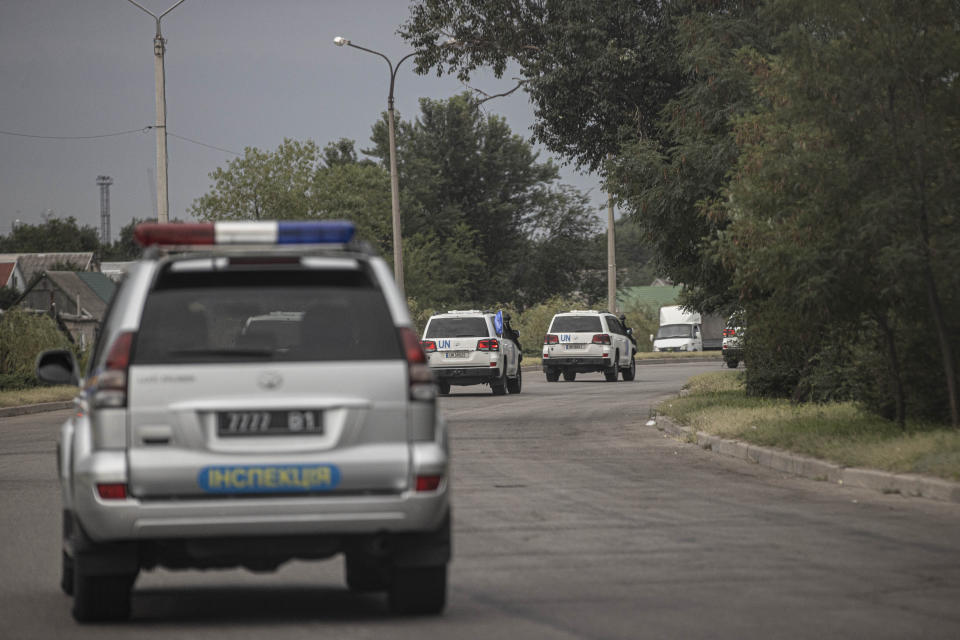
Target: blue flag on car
[(498, 323)]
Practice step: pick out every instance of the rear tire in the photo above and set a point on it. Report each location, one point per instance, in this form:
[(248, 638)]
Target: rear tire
[(631, 372), (553, 374), (418, 590), (733, 364), (611, 373), (569, 376), (443, 388), (514, 384)]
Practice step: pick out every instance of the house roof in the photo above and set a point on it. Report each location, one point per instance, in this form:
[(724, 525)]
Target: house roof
[(6, 270), (73, 285), (651, 297), (100, 283), (33, 264)]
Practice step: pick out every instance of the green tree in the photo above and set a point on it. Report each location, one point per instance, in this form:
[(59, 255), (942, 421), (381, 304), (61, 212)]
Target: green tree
[(125, 247), (671, 183), (597, 73), (843, 231), (263, 185), (53, 235), (8, 295), (298, 181), (461, 171)]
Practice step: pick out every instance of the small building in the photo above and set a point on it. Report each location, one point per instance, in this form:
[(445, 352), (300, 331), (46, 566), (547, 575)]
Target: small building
[(12, 276), (76, 299), (32, 265)]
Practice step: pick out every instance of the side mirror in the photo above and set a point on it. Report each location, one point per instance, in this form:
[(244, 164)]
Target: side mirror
[(629, 331), (58, 366)]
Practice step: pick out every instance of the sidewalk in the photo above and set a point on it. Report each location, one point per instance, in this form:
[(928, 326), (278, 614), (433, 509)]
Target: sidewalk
[(883, 481)]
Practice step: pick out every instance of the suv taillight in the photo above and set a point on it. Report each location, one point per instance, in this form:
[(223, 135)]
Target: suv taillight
[(601, 338), (727, 333), (421, 379), (428, 345), (110, 386), (488, 344), (551, 339)]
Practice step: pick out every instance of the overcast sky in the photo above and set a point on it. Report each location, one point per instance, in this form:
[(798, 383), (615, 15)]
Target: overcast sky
[(239, 73)]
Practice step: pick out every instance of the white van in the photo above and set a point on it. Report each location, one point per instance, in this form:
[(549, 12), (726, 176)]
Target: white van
[(679, 330)]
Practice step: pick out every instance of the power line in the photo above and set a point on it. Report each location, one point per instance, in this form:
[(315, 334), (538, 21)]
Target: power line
[(203, 144), (102, 135), (114, 134)]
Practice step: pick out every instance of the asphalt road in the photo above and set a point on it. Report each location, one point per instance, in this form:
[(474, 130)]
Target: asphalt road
[(572, 520)]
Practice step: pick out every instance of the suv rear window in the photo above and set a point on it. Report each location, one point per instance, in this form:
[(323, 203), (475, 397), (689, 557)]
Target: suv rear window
[(576, 324), (268, 315), (457, 328)]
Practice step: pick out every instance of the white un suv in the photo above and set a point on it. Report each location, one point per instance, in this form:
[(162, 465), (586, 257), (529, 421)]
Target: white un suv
[(473, 347), (585, 341), (256, 395)]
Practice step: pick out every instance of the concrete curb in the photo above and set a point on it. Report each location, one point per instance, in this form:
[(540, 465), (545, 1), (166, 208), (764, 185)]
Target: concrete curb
[(905, 484), (25, 409)]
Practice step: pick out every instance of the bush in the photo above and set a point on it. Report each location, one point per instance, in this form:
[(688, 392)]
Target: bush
[(23, 335)]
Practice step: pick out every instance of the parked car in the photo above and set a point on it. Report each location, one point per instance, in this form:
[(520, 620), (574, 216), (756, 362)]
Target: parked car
[(473, 347), (255, 397), (583, 341)]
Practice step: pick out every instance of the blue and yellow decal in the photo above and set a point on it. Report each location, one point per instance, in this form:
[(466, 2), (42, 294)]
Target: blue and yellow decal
[(269, 478)]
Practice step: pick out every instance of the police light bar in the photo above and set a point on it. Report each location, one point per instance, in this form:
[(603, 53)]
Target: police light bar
[(262, 232)]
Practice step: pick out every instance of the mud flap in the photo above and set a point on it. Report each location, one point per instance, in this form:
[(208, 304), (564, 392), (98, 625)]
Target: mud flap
[(424, 549)]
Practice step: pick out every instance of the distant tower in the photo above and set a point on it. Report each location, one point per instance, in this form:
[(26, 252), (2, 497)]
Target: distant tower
[(104, 182)]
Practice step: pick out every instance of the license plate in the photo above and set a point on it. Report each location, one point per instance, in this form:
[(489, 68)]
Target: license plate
[(456, 354), (270, 423), (570, 347)]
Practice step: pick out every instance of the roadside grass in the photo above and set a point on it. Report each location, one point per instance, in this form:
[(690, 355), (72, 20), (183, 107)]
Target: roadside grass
[(839, 432), (36, 395)]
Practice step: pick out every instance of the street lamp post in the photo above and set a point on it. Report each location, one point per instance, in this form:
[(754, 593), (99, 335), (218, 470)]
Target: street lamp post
[(159, 76), (394, 180)]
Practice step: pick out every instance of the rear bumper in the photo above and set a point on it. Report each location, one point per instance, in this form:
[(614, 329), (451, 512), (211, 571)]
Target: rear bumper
[(426, 547), (580, 364), (213, 515), (465, 375)]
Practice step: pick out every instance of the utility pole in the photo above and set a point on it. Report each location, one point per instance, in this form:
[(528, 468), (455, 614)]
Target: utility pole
[(159, 76), (611, 259), (104, 182)]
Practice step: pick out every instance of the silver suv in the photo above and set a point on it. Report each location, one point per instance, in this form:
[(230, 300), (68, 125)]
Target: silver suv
[(259, 398)]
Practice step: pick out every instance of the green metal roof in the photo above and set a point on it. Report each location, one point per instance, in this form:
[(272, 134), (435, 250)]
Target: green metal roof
[(98, 283), (652, 297)]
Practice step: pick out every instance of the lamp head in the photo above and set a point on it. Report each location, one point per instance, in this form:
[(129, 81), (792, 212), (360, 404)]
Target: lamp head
[(340, 41)]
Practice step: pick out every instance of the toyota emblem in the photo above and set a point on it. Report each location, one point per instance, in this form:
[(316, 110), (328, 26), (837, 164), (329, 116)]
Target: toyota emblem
[(270, 380)]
